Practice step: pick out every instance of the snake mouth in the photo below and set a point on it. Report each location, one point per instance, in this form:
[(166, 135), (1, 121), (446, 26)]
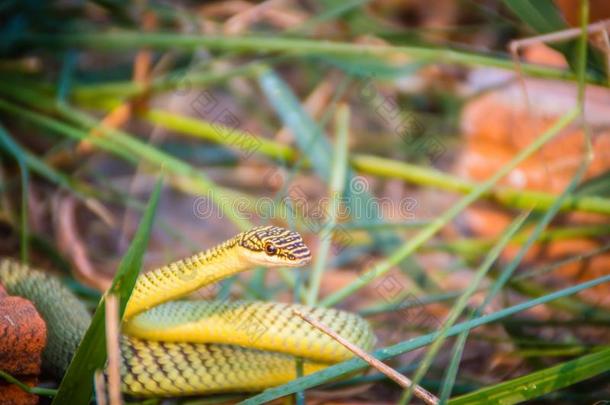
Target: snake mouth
[(299, 262)]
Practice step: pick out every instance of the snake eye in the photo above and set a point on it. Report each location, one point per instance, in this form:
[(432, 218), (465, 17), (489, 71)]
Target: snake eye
[(270, 249), (291, 257)]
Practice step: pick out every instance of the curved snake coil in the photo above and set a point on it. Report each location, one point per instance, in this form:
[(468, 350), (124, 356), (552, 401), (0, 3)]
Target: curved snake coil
[(173, 348)]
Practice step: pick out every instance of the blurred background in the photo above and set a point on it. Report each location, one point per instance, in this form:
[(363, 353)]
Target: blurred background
[(385, 132)]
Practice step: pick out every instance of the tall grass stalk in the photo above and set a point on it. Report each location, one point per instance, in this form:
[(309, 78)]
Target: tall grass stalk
[(7, 143), (461, 304), (349, 366), (429, 231), (336, 184), (384, 167), (114, 41)]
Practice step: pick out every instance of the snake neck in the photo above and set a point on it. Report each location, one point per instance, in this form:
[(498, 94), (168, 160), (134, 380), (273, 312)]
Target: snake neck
[(185, 276)]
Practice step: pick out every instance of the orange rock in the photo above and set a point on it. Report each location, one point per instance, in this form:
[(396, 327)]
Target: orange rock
[(499, 124), (22, 336), (486, 222), (12, 395)]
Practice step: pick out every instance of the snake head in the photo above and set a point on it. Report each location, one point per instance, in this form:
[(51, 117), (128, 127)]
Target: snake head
[(273, 246)]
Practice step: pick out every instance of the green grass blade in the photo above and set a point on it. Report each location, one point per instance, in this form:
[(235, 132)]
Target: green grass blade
[(315, 145), (112, 41), (352, 365), (7, 143), (184, 176), (541, 15), (506, 275), (91, 94), (597, 186), (544, 17), (47, 392), (507, 196), (219, 133), (511, 197), (540, 382), (77, 385), (337, 181), (452, 369), (461, 304), (429, 231)]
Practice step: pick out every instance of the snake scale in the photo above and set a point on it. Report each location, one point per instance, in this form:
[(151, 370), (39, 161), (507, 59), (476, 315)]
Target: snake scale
[(172, 347)]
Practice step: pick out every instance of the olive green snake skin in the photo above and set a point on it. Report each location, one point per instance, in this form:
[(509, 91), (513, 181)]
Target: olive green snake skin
[(188, 347)]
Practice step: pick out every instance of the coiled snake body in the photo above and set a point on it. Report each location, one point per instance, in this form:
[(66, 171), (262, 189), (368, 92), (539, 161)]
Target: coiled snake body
[(188, 347)]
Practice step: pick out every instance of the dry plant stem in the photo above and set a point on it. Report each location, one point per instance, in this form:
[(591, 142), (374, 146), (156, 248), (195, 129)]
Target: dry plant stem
[(69, 241), (100, 388), (114, 353), (141, 75), (115, 119), (103, 213), (242, 20), (558, 36), (400, 379)]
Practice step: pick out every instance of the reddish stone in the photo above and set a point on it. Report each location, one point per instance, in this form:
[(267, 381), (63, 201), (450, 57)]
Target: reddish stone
[(22, 336), (12, 395)]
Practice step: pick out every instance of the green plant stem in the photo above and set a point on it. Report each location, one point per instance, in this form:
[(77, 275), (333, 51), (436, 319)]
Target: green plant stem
[(184, 83), (540, 382), (336, 185), (508, 196), (581, 69), (349, 366), (9, 144), (113, 41), (429, 231), (383, 167), (76, 386), (47, 392), (218, 133), (181, 175), (472, 247), (461, 304), (508, 271)]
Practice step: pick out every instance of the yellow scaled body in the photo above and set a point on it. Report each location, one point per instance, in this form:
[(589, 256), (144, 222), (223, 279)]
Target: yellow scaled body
[(172, 348)]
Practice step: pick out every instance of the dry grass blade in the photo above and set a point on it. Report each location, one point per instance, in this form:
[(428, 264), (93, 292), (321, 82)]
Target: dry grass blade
[(114, 351), (70, 242), (100, 388)]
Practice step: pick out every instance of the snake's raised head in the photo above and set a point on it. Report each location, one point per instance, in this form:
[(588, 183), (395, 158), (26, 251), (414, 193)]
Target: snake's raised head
[(273, 246)]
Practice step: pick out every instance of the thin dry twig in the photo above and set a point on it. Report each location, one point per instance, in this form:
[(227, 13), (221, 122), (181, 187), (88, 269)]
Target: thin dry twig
[(141, 74), (394, 375), (114, 352), (558, 36), (100, 388), (70, 243), (239, 22)]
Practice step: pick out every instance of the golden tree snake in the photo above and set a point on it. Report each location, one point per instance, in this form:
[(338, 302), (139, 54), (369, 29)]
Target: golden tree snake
[(172, 347)]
